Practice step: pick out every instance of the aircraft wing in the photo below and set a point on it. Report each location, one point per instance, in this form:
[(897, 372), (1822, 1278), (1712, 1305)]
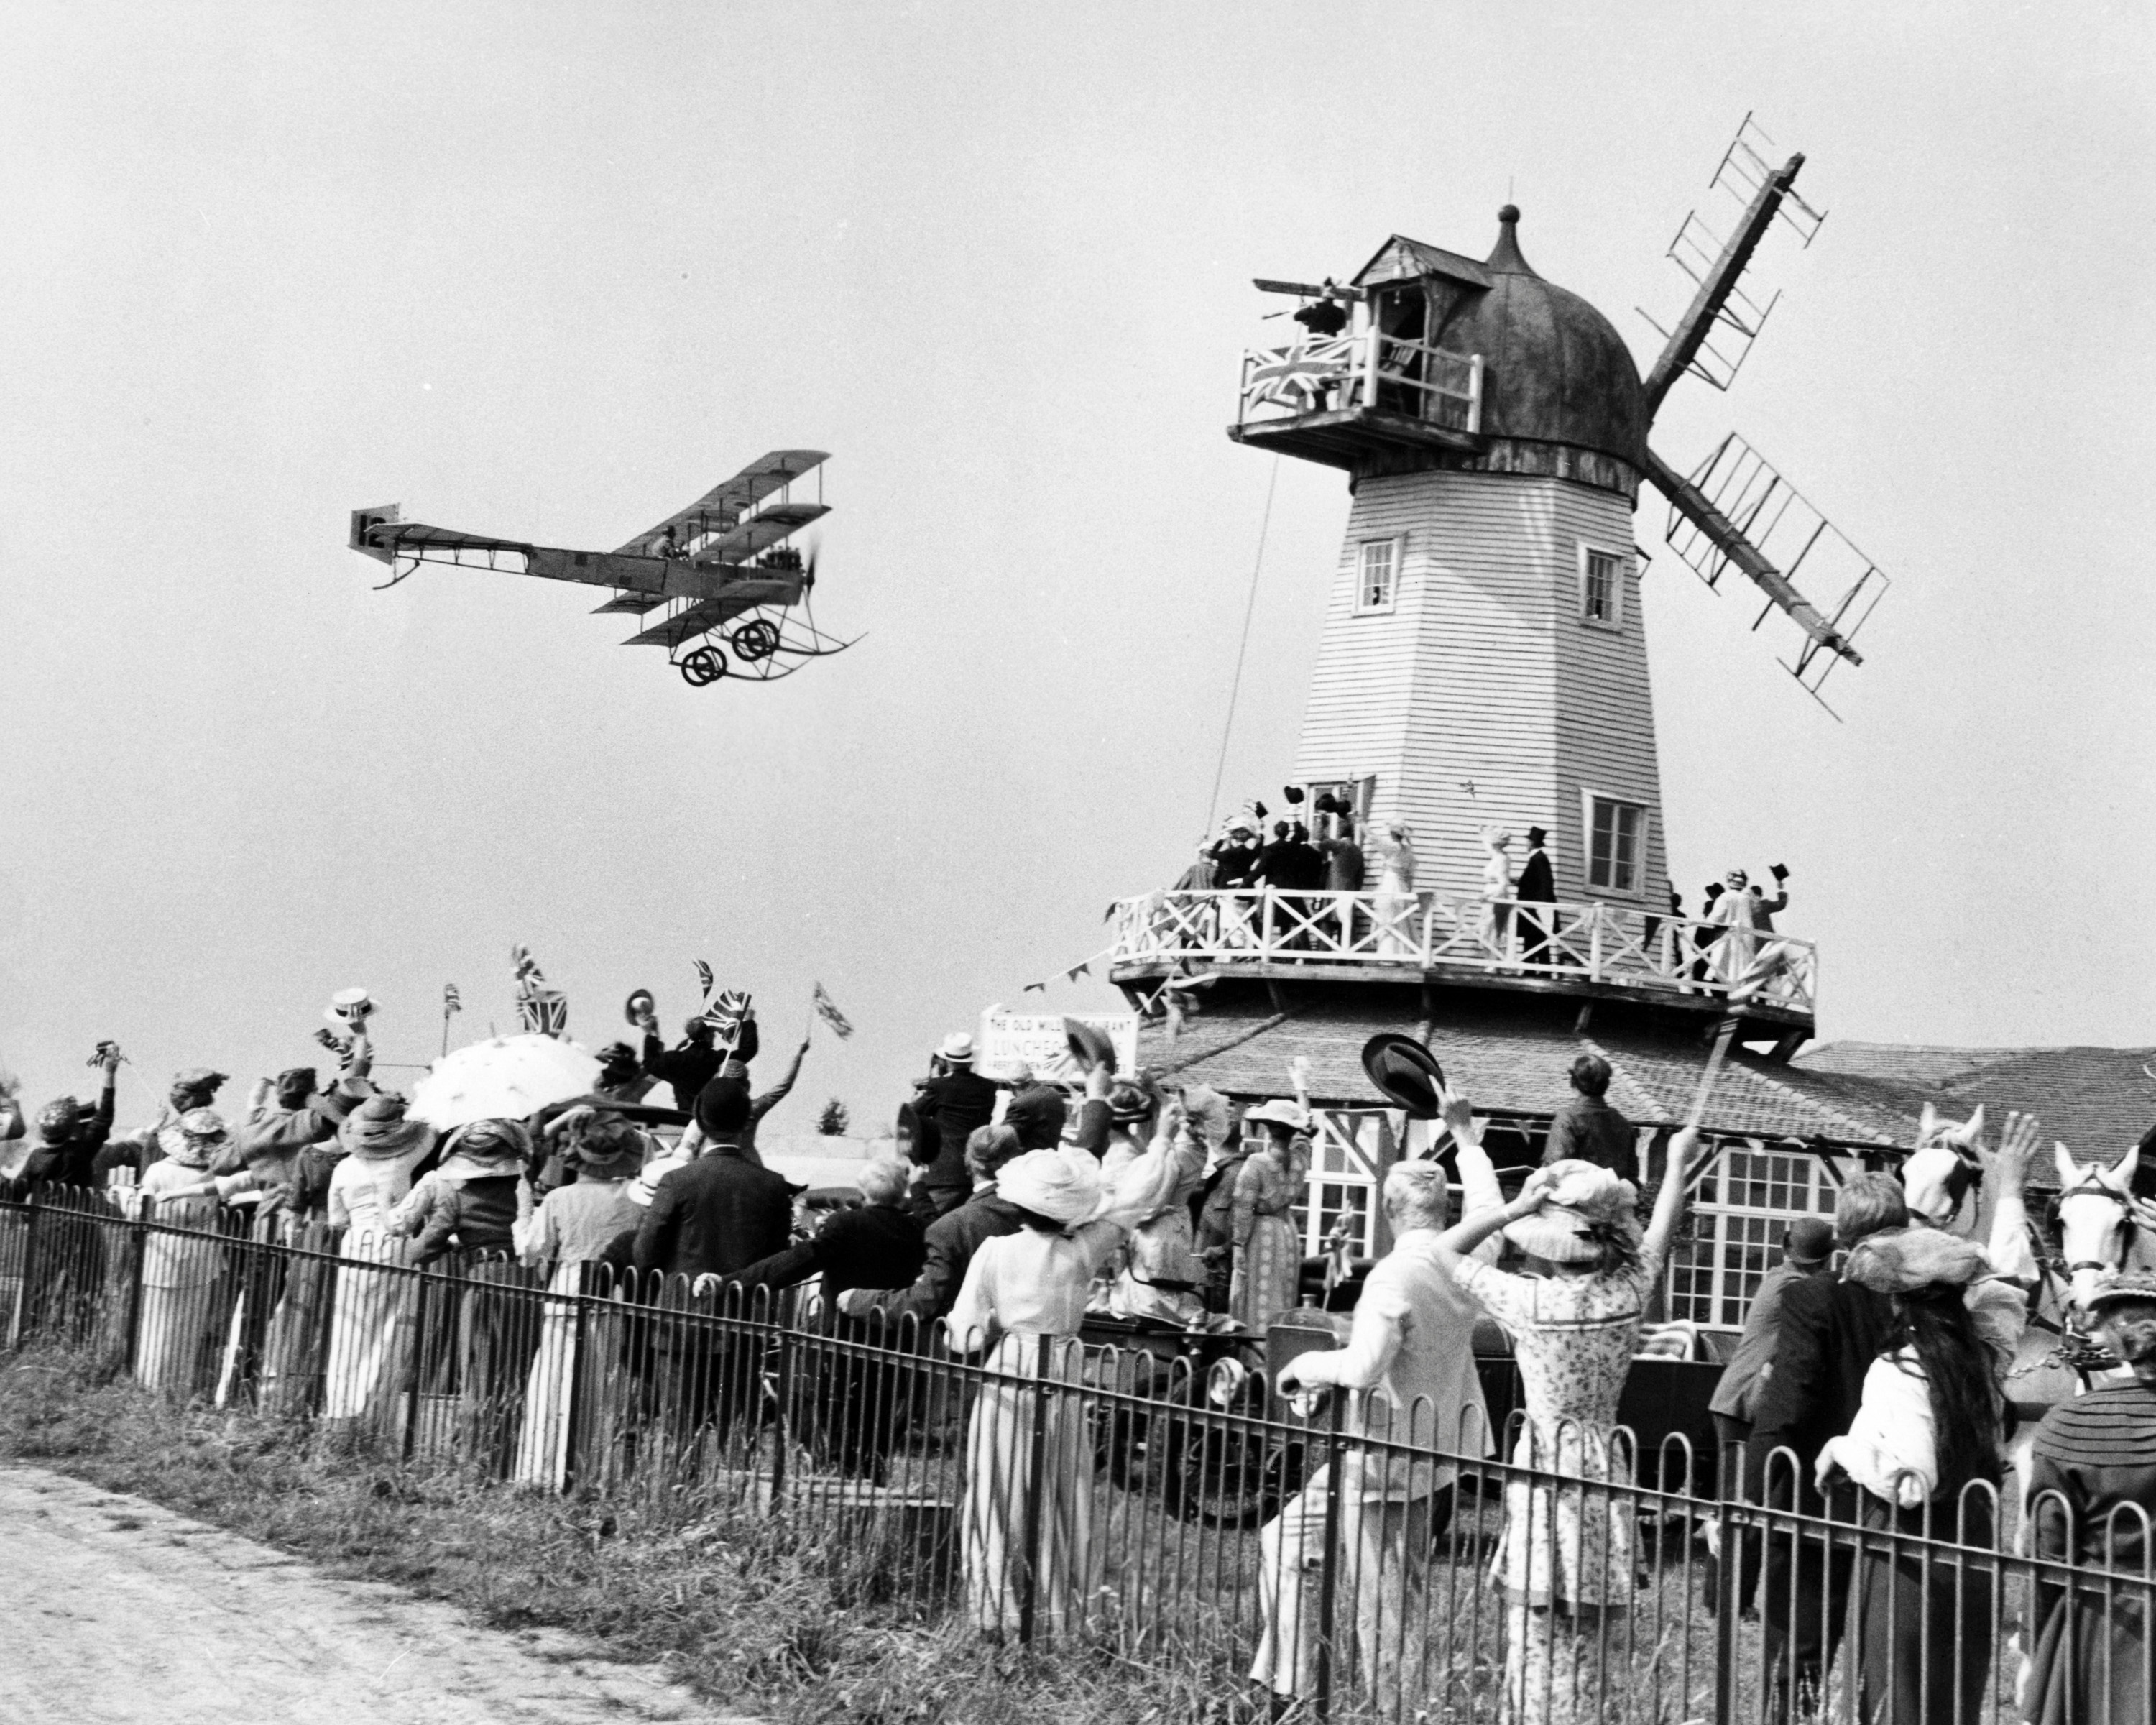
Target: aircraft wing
[(720, 508), (693, 620), (760, 531)]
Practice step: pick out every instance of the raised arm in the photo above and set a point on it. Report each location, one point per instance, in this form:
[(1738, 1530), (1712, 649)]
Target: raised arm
[(1677, 1176), (2011, 1255), (778, 1093), (1479, 1189), (1459, 1242)]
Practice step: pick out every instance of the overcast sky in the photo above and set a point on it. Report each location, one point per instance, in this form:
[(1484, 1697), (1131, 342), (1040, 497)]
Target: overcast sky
[(549, 271)]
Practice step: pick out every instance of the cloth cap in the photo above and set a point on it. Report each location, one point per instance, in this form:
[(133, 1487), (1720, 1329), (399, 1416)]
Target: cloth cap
[(1063, 1189), (1037, 1116), (1583, 1209), (1810, 1240), (957, 1047), (198, 1078), (1900, 1260), (722, 1107)]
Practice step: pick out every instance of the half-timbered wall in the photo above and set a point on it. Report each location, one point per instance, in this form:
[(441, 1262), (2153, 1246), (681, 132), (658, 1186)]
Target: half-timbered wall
[(1481, 695)]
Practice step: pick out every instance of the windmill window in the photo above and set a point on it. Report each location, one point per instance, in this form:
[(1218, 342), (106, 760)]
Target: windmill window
[(1377, 575), (1616, 844), (1601, 587)]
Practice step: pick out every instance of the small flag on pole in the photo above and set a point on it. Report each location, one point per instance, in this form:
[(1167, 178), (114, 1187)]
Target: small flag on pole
[(452, 1001), (704, 977), (827, 1010)]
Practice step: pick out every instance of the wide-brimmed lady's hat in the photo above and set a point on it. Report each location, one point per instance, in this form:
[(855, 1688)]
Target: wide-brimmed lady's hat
[(1279, 1111), (1406, 1073), (1130, 1101), (484, 1150), (378, 1131), (1901, 1260), (642, 1188), (1089, 1044), (1585, 1209), (1062, 1189), (2123, 1284)]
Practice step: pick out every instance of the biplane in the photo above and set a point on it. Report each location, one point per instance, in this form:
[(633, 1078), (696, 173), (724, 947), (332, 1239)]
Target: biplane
[(718, 583)]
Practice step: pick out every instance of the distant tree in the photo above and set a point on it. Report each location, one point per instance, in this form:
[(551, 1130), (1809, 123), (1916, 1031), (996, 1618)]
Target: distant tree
[(834, 1119)]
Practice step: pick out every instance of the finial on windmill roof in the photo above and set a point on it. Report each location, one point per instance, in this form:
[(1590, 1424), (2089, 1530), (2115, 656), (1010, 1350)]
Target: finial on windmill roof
[(1504, 259)]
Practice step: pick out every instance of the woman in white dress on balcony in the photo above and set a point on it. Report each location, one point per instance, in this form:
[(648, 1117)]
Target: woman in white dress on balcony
[(1496, 890), (1394, 905), (1020, 1288)]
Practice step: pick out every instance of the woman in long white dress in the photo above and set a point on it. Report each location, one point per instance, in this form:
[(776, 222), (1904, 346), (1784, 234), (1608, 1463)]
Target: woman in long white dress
[(1394, 905), (1022, 1300), (182, 1260), (1496, 890), (571, 1229), (374, 1309)]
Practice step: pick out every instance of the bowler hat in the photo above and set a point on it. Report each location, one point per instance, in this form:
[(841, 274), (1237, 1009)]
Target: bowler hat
[(638, 1003), (1407, 1072)]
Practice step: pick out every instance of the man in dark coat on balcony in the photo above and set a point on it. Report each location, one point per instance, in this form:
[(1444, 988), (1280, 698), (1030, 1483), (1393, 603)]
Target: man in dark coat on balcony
[(1537, 885)]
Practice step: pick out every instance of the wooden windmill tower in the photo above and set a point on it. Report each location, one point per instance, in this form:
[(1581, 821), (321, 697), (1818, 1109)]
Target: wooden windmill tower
[(1483, 665)]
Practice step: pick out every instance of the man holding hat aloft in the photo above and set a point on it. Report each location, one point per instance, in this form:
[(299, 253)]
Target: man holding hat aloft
[(1409, 1368), (949, 1108)]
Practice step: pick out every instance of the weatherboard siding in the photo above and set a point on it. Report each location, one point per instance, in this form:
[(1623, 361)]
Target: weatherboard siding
[(1481, 698)]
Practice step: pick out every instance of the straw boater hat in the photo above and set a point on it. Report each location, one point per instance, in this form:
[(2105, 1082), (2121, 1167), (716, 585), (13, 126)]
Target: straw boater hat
[(1900, 1260), (958, 1049), (1063, 1190), (1583, 1208)]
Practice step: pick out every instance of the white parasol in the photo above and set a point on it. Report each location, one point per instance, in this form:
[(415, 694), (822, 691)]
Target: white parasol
[(504, 1078)]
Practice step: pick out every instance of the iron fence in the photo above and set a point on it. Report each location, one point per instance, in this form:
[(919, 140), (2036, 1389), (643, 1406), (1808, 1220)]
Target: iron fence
[(1153, 1496)]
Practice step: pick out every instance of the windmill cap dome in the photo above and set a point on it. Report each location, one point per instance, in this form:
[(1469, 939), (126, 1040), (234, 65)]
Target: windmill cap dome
[(1555, 370)]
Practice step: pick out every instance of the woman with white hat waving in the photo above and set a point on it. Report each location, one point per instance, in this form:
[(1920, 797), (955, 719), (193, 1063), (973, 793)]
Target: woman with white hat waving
[(1573, 1313)]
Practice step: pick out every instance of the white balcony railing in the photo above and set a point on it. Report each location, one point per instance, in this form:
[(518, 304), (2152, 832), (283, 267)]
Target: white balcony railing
[(1602, 943), (1366, 369)]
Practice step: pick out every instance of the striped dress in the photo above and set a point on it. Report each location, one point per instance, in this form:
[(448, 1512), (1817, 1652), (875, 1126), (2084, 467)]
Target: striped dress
[(2092, 1659)]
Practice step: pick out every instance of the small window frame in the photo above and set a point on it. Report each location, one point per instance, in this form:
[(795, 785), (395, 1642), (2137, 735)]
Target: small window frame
[(1397, 545), (1619, 570), (1590, 799)]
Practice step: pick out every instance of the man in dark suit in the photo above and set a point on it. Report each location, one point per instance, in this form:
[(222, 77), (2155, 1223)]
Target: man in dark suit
[(1830, 1333), (720, 1213), (947, 1109), (1537, 885), (1292, 865)]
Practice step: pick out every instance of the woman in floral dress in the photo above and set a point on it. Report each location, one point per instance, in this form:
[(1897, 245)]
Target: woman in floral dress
[(1268, 1254), (1573, 1313)]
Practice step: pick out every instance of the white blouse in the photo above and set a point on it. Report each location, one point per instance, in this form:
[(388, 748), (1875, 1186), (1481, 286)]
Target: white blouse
[(1891, 1447)]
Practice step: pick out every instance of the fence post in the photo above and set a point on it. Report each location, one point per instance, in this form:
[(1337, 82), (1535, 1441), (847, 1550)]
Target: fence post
[(18, 1320), (138, 1250), (1036, 1483), (781, 1427), (1329, 1574), (572, 1413), (1729, 1587)]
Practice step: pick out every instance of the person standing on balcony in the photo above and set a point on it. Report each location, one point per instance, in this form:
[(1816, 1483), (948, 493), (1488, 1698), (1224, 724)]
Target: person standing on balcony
[(1291, 868), (1395, 902), (1343, 863), (1496, 890), (1743, 916), (1537, 885), (1587, 1129), (1236, 865)]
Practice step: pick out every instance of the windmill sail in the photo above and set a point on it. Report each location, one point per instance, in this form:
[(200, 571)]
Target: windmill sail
[(1736, 510)]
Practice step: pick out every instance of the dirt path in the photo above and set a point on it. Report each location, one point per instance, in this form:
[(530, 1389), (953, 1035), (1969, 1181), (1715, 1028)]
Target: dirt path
[(119, 1611)]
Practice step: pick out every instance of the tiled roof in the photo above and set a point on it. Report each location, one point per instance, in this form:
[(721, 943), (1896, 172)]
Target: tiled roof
[(1519, 1065), (2099, 1100)]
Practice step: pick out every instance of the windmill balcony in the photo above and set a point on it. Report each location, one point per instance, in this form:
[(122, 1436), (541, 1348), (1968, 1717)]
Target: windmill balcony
[(1338, 398), (1592, 949)]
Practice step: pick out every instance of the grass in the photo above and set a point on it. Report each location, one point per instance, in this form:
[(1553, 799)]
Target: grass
[(756, 1613)]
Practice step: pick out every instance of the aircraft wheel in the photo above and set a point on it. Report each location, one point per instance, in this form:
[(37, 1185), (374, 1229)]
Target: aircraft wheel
[(755, 640), (706, 665)]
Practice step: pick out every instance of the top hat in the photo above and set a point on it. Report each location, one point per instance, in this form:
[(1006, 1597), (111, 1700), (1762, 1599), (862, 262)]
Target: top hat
[(1089, 1044), (638, 1003), (1536, 835), (1407, 1072)]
